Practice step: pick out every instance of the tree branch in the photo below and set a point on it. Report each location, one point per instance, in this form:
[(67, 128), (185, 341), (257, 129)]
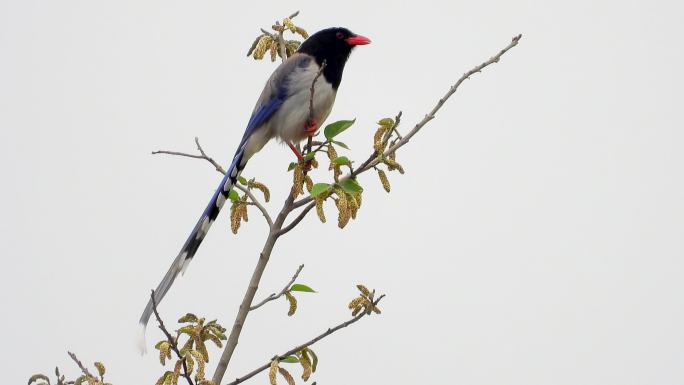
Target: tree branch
[(296, 221), (172, 341), (304, 345), (248, 298), (275, 296), (80, 365)]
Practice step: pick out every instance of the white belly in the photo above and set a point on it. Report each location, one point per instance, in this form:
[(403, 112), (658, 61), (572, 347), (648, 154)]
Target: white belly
[(289, 122)]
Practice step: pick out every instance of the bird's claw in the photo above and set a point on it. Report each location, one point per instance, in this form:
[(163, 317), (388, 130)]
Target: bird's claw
[(311, 127)]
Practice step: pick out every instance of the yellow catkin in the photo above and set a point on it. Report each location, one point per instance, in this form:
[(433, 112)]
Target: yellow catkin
[(164, 352), (342, 208), (363, 289), (253, 46), (293, 303), (176, 372), (235, 216), (287, 376), (298, 180), (387, 122), (306, 365), (319, 209), (100, 368), (302, 32), (272, 372), (309, 183), (189, 362), (262, 46), (202, 348), (273, 50), (356, 302), (261, 187), (199, 358), (287, 22), (393, 165), (352, 205), (357, 310), (378, 146), (160, 381), (243, 212), (332, 155), (359, 199), (383, 179)]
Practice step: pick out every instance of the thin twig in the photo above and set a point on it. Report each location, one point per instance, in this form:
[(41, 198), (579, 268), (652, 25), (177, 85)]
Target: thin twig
[(172, 341), (299, 218), (209, 159), (275, 296), (217, 166), (304, 345), (80, 365)]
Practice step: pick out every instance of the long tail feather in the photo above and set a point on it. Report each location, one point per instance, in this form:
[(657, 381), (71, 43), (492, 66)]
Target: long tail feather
[(195, 239)]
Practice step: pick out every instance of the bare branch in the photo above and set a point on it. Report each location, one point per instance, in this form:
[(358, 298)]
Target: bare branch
[(248, 298), (172, 341), (304, 345), (296, 221), (217, 166), (210, 160), (80, 365), (275, 296)]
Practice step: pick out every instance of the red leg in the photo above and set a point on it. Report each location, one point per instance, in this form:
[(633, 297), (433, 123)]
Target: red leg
[(296, 152), (311, 127)]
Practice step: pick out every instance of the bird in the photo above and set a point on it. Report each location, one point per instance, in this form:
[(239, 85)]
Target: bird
[(282, 112)]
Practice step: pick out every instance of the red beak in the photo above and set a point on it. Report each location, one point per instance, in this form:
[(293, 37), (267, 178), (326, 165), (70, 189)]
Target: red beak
[(357, 40)]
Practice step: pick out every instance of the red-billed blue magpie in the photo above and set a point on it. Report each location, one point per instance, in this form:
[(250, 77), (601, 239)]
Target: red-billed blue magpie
[(281, 112)]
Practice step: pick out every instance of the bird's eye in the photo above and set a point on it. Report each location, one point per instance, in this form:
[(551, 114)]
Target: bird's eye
[(339, 35)]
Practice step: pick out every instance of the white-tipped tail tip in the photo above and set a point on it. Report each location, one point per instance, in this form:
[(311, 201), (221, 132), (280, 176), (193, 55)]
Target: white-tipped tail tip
[(142, 346)]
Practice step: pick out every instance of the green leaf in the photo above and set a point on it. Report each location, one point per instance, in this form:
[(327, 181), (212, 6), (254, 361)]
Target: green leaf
[(341, 144), (292, 166), (334, 129), (351, 186), (301, 287), (342, 161), (242, 180), (318, 188), (290, 360), (189, 317), (309, 156), (233, 196)]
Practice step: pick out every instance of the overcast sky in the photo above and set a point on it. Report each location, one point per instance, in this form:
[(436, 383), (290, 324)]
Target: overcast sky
[(537, 236)]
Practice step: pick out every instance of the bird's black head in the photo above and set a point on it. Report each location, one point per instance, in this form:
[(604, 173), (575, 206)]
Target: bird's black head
[(332, 45)]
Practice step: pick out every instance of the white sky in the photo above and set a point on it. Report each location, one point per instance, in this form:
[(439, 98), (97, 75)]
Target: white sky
[(536, 238)]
